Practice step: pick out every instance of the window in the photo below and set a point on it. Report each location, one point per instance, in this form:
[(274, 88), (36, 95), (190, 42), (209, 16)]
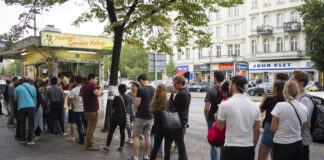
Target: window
[(200, 53), (230, 50), (237, 10), (266, 46), (233, 30), (279, 1), (266, 2), (218, 31), (234, 11), (253, 23), (179, 55), (237, 50), (279, 44), (237, 29), (254, 4), (187, 53), (294, 16), (253, 47), (230, 31), (266, 20), (293, 43), (218, 14), (279, 20), (210, 15), (218, 51)]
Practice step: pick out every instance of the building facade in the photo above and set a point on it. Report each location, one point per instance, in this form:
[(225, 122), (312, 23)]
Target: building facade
[(257, 39)]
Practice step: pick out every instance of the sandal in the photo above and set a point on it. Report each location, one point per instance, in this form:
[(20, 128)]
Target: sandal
[(104, 148)]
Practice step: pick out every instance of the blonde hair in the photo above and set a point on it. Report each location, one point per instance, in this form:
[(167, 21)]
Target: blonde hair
[(291, 90), (160, 99)]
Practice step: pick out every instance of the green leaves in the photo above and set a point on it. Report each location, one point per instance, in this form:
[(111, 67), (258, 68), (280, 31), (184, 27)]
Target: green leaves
[(313, 15), (171, 68)]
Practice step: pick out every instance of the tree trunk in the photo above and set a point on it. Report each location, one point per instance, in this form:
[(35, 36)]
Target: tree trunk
[(113, 79)]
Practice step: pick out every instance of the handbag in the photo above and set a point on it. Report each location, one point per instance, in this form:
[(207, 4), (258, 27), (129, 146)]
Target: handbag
[(216, 137), (127, 115), (170, 121)]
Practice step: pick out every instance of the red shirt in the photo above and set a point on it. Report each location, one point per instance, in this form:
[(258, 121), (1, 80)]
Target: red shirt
[(90, 100)]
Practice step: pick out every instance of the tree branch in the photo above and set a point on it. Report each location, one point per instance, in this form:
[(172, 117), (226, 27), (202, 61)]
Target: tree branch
[(129, 13), (156, 10)]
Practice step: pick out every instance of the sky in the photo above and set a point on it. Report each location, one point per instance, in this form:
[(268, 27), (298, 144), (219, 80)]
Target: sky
[(61, 16)]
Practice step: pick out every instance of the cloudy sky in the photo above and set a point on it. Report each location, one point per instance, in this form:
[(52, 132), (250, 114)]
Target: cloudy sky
[(59, 16)]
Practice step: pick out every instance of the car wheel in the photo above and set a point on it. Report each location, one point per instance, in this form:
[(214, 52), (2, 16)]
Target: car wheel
[(252, 93)]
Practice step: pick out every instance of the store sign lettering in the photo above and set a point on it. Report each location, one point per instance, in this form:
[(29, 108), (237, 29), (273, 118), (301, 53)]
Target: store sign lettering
[(226, 66), (270, 65)]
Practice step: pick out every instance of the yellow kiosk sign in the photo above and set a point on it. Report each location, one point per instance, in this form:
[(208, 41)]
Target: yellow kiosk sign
[(52, 39)]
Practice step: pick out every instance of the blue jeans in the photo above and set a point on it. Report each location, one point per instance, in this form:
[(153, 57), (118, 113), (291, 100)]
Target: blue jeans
[(213, 149), (79, 121), (152, 144)]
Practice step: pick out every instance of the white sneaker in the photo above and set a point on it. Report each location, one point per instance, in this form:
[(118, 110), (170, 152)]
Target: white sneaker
[(65, 134), (30, 143), (130, 141), (70, 139), (36, 138)]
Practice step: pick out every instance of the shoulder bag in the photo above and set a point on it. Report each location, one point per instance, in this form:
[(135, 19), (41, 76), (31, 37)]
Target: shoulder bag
[(127, 115), (170, 121)]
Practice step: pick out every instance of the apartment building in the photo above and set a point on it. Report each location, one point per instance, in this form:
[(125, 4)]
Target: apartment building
[(257, 39)]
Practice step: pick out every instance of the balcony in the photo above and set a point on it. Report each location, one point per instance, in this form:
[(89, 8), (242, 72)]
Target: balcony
[(292, 27), (264, 30), (277, 55)]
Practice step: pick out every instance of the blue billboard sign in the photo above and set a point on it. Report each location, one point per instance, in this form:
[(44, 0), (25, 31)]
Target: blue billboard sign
[(183, 68)]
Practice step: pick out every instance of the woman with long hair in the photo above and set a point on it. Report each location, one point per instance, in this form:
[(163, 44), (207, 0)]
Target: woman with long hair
[(289, 120), (159, 103), (267, 105)]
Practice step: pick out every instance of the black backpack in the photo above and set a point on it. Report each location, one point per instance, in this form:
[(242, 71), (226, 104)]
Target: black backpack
[(317, 123)]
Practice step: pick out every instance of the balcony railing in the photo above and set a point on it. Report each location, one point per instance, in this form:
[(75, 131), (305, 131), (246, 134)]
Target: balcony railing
[(292, 27), (264, 30)]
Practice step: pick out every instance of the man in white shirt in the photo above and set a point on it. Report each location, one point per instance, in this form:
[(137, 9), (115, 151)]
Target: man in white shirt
[(241, 117), (77, 107), (302, 79)]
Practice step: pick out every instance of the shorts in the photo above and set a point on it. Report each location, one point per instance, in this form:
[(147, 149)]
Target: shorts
[(267, 136), (142, 126), (72, 117)]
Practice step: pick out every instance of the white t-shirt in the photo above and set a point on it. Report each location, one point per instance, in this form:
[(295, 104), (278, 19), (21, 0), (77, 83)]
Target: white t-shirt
[(289, 128), (74, 94), (240, 115)]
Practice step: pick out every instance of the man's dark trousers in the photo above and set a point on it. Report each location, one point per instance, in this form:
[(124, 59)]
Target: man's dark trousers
[(25, 113)]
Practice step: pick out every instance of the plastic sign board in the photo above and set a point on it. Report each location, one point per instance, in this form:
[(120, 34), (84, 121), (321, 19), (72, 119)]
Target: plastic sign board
[(52, 39), (183, 68), (160, 62), (226, 66)]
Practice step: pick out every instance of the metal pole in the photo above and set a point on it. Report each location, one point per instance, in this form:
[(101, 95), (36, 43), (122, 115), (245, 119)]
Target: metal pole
[(35, 34), (155, 67)]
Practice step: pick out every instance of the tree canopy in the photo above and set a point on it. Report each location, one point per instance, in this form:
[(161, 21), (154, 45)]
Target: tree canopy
[(313, 15)]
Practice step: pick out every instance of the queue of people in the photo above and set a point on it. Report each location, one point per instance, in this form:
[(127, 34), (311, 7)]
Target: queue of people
[(286, 134)]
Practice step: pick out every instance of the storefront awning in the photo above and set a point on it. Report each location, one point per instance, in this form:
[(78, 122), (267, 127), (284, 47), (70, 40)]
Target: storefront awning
[(181, 72)]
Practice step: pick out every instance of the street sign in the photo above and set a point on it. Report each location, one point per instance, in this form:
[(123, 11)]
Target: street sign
[(159, 63)]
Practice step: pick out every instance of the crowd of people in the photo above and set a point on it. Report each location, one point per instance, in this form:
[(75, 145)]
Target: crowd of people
[(286, 134), (227, 111)]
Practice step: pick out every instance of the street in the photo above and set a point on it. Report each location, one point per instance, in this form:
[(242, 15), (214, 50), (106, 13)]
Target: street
[(56, 147)]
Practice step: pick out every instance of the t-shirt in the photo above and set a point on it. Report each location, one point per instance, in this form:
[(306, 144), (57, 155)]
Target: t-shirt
[(55, 94), (268, 105), (26, 99), (11, 90), (90, 100), (143, 110), (240, 115), (289, 127), (307, 136), (211, 97), (74, 94)]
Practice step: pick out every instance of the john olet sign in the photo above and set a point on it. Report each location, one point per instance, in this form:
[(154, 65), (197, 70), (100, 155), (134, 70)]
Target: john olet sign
[(52, 39)]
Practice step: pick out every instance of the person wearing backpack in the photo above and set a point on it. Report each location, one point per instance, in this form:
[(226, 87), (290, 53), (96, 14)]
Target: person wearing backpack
[(302, 79), (213, 98)]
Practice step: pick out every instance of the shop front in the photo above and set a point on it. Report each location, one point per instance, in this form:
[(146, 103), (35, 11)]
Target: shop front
[(228, 69), (55, 53), (266, 71), (202, 73)]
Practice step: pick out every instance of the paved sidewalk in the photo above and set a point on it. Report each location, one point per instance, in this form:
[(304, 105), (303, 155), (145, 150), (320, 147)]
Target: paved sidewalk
[(56, 147)]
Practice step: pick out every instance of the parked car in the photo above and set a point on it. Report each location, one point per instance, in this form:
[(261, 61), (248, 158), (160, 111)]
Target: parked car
[(259, 89), (197, 88), (313, 86)]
